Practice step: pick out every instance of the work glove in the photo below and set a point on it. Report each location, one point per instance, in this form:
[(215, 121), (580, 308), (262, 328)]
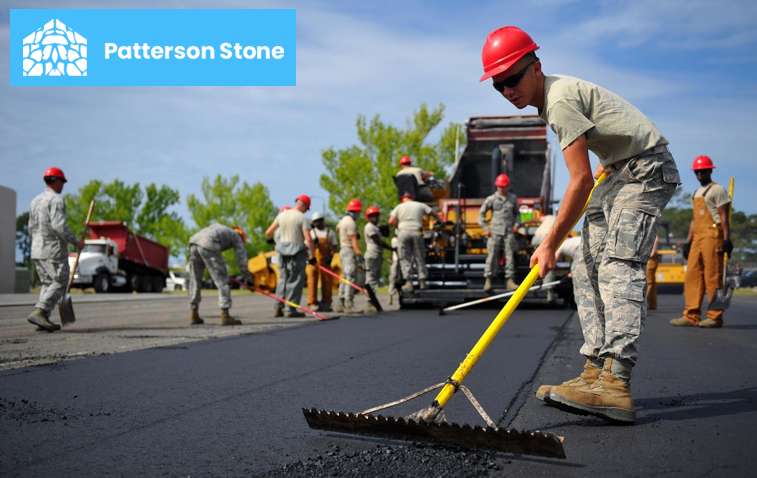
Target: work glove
[(727, 246), (270, 241), (686, 250), (312, 261), (394, 249)]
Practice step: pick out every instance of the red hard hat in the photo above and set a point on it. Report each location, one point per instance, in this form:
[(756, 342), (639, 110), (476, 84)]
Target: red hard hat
[(502, 181), (503, 48), (405, 160), (702, 162), (354, 205), (305, 200), (53, 172), (372, 211)]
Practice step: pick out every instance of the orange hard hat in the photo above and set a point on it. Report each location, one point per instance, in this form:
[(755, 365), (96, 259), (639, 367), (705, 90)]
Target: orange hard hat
[(354, 205), (405, 160), (372, 211), (305, 200), (53, 172), (702, 162), (503, 48), (502, 181), (241, 232)]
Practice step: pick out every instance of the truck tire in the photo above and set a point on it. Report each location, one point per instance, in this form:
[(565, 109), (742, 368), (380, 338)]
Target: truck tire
[(158, 284), (101, 282), (135, 283), (145, 283)]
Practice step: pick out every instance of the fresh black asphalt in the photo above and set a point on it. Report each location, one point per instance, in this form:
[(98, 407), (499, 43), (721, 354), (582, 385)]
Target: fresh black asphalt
[(232, 407)]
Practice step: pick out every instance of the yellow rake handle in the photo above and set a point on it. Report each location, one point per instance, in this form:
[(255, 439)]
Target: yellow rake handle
[(499, 321)]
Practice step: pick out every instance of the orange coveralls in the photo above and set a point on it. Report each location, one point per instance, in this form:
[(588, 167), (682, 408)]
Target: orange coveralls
[(323, 253), (704, 273)]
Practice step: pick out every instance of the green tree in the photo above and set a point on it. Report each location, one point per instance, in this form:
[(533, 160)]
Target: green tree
[(231, 202), (146, 212), (366, 170), (24, 239)]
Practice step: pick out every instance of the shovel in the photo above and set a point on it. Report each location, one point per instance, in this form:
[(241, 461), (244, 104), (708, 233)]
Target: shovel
[(723, 295), (429, 424), (546, 285), (307, 310), (368, 290), (66, 307)]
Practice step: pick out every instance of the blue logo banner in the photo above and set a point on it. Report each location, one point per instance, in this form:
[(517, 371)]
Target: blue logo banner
[(70, 47)]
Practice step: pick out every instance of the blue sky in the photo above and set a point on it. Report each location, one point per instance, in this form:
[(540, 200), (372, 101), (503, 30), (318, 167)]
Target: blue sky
[(689, 65)]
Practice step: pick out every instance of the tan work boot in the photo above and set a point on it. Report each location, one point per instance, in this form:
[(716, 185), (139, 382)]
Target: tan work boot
[(585, 380), (511, 285), (194, 317), (684, 322), (407, 287), (609, 397), (711, 324), (227, 319), (422, 284), (488, 285), (39, 318)]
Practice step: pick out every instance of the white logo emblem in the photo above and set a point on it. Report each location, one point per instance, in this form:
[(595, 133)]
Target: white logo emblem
[(54, 50)]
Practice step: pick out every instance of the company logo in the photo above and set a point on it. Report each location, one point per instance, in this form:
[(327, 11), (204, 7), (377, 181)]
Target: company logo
[(54, 50)]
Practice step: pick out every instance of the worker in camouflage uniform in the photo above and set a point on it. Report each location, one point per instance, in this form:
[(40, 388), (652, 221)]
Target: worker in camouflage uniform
[(349, 253), (295, 250), (50, 238), (205, 248), (374, 243), (609, 273), (408, 217), (499, 231)]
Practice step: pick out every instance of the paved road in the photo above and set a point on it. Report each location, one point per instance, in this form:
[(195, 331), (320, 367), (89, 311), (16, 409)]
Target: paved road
[(231, 407)]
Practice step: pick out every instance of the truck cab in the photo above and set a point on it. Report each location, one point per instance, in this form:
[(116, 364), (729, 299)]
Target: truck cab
[(98, 265)]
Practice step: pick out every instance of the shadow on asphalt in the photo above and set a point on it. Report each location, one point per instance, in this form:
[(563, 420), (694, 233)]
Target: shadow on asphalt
[(677, 407)]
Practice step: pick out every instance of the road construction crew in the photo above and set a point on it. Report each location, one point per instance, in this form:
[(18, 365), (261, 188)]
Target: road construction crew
[(324, 243), (294, 246), (374, 243), (408, 217), (499, 231), (349, 253), (50, 238), (422, 189), (620, 220), (205, 248), (709, 238)]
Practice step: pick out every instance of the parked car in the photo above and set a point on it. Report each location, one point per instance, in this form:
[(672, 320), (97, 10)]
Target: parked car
[(176, 281), (748, 278)]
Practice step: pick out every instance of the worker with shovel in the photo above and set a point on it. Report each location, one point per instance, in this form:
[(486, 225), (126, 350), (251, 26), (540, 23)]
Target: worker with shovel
[(50, 238), (349, 253), (374, 245), (205, 251), (709, 238), (294, 246), (619, 228), (499, 231)]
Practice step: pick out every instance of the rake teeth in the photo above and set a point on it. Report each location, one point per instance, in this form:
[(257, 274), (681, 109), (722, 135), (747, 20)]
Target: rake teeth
[(464, 436)]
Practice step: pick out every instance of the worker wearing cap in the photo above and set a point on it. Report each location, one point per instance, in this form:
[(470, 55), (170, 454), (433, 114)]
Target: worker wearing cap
[(50, 238), (374, 245), (619, 228), (205, 252), (499, 231), (407, 169), (408, 217), (324, 243), (709, 238), (294, 246), (349, 253)]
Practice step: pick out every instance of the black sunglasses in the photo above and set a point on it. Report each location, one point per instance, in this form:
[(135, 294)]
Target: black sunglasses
[(512, 80)]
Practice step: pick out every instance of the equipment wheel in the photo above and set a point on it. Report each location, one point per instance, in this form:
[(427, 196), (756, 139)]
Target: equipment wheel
[(102, 282)]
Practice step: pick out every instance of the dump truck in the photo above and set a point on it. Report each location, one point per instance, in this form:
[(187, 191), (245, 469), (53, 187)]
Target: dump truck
[(116, 260), (456, 249)]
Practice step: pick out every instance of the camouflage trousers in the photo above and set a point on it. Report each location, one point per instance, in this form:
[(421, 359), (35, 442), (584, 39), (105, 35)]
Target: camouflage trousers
[(53, 274), (291, 277), (495, 246), (349, 272), (609, 274), (395, 274), (373, 270), (200, 259), (412, 249)]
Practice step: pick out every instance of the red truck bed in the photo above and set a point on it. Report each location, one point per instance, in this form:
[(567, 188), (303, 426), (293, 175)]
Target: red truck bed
[(131, 247)]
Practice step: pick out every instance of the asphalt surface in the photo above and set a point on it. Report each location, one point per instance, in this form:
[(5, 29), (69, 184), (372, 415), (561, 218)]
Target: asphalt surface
[(232, 406)]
